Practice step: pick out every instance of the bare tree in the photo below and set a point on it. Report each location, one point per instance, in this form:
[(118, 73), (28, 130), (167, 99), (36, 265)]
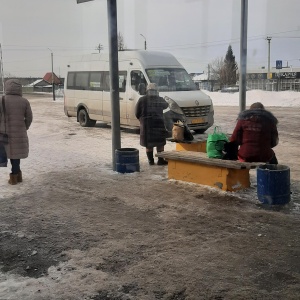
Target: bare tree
[(121, 43), (216, 68)]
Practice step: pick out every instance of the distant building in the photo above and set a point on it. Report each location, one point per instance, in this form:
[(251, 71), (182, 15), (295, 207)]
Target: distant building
[(41, 85), (48, 78)]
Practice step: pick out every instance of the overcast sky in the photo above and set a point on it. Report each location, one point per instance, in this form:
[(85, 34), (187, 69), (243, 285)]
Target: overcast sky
[(195, 31)]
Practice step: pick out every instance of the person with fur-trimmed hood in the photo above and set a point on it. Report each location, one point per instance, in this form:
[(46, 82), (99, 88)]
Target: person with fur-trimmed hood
[(149, 111), (256, 134), (15, 121)]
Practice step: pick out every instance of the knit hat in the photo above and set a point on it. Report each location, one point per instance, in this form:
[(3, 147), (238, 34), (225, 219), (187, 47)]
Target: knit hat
[(257, 105), (151, 86)]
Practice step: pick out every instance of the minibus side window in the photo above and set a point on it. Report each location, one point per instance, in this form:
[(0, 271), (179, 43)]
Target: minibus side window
[(82, 81), (95, 81), (106, 81), (137, 77), (122, 81), (71, 80)]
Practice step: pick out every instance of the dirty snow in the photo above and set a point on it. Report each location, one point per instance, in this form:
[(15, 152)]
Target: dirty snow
[(61, 151)]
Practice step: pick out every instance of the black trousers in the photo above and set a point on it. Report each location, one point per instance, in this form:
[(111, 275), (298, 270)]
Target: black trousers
[(15, 166)]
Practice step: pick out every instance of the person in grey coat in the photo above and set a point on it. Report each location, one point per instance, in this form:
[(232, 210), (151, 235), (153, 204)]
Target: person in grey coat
[(149, 111), (18, 117)]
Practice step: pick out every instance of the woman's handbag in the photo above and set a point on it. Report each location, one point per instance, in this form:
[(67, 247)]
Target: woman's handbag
[(3, 136), (215, 143), (3, 157), (178, 132), (181, 132)]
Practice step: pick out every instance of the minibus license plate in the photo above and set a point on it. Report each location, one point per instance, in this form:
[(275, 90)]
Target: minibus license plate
[(198, 120)]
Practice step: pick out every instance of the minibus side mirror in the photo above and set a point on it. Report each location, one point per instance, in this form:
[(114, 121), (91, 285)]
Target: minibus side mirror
[(142, 89)]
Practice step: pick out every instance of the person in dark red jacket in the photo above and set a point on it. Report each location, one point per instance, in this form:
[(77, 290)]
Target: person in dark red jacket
[(256, 134), (149, 111)]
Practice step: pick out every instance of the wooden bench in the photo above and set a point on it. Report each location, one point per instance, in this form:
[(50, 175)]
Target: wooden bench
[(196, 167)]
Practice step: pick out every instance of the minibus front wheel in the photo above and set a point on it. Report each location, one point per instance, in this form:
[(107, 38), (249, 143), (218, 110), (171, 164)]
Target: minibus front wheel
[(84, 119)]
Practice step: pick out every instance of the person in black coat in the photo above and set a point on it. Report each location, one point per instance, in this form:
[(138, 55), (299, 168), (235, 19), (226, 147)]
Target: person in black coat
[(149, 111)]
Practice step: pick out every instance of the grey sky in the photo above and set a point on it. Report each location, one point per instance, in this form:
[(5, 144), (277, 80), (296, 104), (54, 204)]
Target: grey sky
[(195, 31)]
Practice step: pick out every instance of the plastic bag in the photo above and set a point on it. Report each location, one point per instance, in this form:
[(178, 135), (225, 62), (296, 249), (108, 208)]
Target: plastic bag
[(215, 143), (3, 157)]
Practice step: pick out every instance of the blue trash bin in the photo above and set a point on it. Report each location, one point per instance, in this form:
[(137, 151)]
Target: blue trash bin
[(127, 160), (273, 184)]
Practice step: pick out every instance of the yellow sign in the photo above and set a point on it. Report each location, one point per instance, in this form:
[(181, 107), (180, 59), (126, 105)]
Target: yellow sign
[(198, 120)]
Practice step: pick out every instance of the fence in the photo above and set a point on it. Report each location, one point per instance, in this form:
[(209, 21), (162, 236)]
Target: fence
[(258, 84), (274, 84)]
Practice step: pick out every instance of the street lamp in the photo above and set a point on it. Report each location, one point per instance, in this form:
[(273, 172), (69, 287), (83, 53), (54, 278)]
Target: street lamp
[(145, 41), (52, 77), (269, 46)]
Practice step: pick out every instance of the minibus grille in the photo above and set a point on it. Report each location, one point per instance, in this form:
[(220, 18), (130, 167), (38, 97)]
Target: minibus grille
[(196, 111)]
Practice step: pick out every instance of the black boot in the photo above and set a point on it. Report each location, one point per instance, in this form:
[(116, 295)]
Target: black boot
[(150, 158), (161, 161)]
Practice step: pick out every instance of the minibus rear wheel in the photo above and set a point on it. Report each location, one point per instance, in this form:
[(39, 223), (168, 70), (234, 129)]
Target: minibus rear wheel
[(84, 119)]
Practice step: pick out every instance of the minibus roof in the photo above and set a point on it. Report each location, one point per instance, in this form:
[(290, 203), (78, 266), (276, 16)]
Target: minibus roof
[(147, 58)]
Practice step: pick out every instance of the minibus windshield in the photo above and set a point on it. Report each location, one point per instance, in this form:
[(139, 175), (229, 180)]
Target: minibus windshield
[(171, 79)]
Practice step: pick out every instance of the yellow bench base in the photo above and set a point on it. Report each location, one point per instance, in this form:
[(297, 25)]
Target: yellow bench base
[(215, 176), (196, 167)]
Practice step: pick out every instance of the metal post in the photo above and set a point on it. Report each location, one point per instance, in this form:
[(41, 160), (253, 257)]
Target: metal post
[(145, 41), (269, 51), (114, 77), (52, 75), (243, 54), (1, 70), (53, 87)]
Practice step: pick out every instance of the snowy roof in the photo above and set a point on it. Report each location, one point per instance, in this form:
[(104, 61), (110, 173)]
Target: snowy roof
[(200, 77), (35, 82)]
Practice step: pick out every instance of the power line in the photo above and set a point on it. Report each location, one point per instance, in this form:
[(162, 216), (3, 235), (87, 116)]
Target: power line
[(204, 44)]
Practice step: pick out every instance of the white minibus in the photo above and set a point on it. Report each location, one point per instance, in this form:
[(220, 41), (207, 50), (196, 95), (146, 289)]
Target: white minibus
[(87, 89)]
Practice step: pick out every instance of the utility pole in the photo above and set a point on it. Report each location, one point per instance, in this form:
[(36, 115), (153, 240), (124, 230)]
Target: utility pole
[(269, 46), (243, 54), (99, 47), (1, 70), (52, 77), (114, 75), (208, 77), (145, 41)]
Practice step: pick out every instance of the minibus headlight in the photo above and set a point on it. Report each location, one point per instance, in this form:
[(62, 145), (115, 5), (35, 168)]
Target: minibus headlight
[(173, 106)]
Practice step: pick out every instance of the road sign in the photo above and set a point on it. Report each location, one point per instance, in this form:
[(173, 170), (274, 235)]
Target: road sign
[(278, 64)]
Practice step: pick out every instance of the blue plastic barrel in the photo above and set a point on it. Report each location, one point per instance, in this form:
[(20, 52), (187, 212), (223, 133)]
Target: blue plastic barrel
[(127, 160), (273, 184)]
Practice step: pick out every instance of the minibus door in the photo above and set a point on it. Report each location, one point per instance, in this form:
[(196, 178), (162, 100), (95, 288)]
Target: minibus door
[(107, 97), (135, 78), (122, 97)]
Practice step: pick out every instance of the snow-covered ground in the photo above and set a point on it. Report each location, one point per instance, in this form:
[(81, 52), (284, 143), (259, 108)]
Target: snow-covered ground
[(68, 175)]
